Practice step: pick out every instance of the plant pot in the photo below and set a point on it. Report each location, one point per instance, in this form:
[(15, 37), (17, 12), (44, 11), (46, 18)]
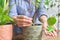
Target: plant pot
[(6, 32), (32, 33)]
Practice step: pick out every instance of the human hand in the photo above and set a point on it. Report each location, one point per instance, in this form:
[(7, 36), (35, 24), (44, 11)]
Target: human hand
[(23, 21), (53, 33)]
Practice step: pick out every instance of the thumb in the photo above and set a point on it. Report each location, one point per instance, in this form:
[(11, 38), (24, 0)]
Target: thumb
[(55, 28)]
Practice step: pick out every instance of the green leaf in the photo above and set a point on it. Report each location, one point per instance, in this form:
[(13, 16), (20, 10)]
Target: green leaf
[(4, 17), (2, 3), (5, 12), (0, 19), (51, 20), (50, 28), (1, 10), (37, 3), (58, 14), (46, 2)]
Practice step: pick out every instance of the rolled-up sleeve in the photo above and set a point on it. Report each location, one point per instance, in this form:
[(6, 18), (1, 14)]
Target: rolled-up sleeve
[(13, 11), (41, 11)]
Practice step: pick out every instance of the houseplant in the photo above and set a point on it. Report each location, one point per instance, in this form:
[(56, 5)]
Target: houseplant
[(5, 21)]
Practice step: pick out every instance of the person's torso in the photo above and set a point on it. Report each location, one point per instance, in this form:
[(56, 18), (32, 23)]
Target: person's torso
[(25, 7)]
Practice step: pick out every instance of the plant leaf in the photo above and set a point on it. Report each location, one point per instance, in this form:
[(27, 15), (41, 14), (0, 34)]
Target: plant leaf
[(1, 10), (2, 3), (6, 19), (51, 20), (50, 28)]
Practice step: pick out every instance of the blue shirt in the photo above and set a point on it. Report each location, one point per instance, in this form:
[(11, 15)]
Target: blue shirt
[(24, 7)]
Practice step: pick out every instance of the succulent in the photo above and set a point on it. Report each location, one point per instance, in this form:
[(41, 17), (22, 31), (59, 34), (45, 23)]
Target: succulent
[(4, 17)]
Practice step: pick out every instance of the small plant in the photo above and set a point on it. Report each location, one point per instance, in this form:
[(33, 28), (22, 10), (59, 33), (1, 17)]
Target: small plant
[(4, 17), (51, 21)]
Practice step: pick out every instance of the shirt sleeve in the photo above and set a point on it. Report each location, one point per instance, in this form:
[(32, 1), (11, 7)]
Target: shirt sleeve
[(41, 11), (13, 11)]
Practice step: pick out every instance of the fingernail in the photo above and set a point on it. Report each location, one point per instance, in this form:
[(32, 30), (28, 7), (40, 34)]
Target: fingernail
[(53, 35)]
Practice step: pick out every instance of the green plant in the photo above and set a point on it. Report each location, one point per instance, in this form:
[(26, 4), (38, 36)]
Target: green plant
[(51, 21), (58, 14), (47, 3), (37, 2), (4, 17)]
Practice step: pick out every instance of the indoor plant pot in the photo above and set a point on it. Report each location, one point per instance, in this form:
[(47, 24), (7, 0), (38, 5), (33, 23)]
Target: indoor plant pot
[(5, 22), (6, 32)]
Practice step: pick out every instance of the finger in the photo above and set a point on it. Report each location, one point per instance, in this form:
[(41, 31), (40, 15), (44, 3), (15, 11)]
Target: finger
[(25, 25), (51, 34), (55, 28), (44, 25), (24, 17), (46, 32), (24, 21), (14, 18), (54, 32)]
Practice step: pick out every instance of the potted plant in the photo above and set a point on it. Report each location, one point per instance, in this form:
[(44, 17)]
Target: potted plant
[(6, 28)]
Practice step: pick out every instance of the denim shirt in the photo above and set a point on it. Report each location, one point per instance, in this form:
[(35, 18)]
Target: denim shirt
[(24, 7)]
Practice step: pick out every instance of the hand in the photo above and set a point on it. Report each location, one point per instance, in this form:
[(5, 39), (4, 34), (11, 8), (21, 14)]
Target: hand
[(23, 21), (53, 33)]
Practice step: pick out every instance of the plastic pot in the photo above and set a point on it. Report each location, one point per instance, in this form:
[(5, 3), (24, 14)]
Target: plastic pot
[(6, 32)]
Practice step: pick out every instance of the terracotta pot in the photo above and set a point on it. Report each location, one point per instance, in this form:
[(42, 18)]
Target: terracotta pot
[(6, 32)]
